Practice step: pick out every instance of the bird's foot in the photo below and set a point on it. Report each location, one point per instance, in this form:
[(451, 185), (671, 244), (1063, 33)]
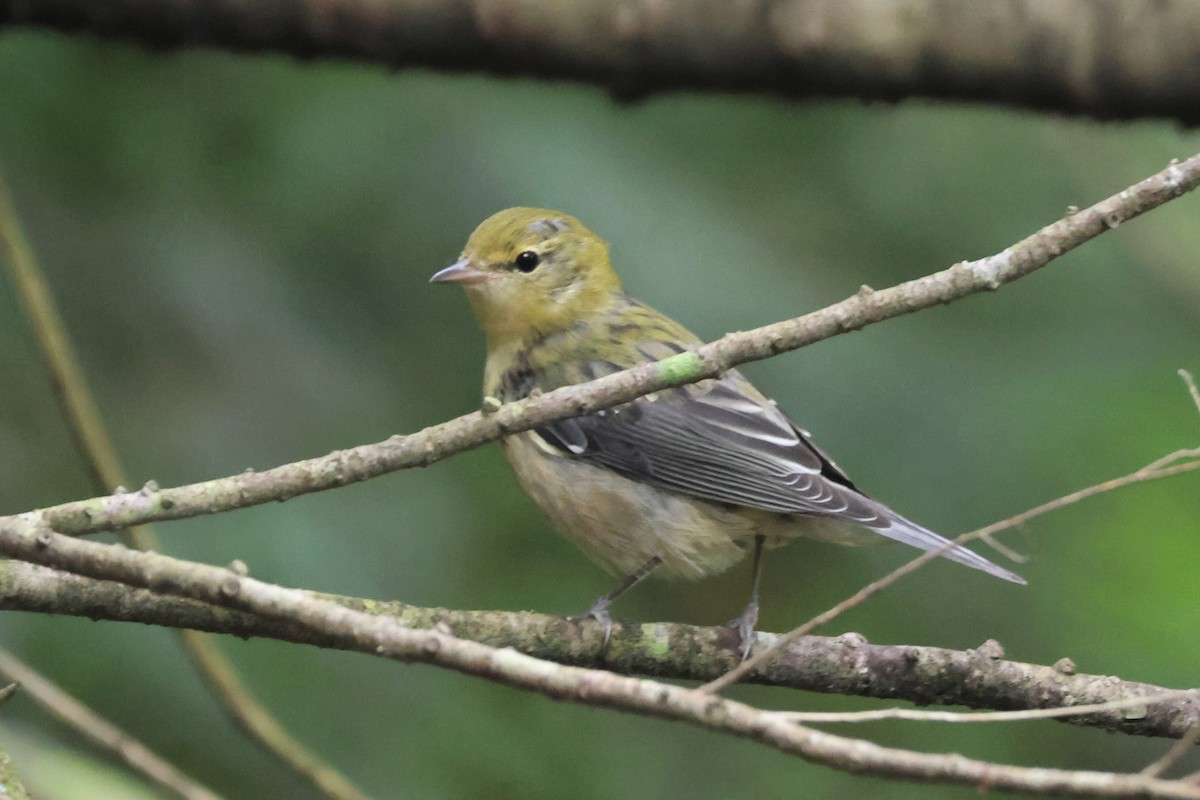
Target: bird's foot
[(744, 625), (599, 612)]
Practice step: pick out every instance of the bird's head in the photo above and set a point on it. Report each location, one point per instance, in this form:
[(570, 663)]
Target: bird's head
[(531, 272)]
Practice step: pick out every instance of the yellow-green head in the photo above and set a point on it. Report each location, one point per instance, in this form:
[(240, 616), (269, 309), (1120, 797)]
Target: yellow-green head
[(531, 272)]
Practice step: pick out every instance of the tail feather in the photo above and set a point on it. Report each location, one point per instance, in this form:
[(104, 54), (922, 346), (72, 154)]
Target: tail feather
[(911, 533)]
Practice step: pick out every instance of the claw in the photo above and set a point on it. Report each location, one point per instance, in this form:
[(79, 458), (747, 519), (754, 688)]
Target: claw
[(599, 612), (599, 609), (744, 625)]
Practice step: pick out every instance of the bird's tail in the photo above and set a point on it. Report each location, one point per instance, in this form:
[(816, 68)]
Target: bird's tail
[(902, 530)]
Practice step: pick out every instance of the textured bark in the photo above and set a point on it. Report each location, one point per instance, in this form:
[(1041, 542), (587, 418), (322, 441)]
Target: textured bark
[(1102, 58), (32, 541), (847, 664)]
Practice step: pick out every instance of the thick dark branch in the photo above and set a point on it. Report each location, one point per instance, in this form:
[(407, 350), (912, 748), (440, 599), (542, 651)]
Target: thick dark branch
[(843, 665), (152, 504), (1101, 58)]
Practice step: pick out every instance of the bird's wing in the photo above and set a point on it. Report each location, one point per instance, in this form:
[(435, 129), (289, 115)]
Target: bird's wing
[(721, 440)]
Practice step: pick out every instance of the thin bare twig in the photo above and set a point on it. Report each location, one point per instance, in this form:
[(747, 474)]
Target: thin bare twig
[(86, 426), (99, 730), (1004, 550), (218, 671), (1191, 384), (921, 715), (1177, 751), (1164, 467), (1161, 468)]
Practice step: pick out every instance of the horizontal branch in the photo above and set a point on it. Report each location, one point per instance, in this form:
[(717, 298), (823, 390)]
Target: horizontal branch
[(845, 665), (33, 541), (1102, 58), (152, 504)]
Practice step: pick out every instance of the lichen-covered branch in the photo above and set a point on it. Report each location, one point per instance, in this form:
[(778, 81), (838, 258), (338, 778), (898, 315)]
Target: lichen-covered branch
[(1103, 58), (848, 665), (35, 542), (151, 503)]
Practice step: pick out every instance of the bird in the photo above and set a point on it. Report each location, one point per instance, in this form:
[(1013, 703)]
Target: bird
[(683, 482)]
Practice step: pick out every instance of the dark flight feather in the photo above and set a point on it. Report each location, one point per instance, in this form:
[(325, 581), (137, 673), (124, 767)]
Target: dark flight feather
[(720, 440)]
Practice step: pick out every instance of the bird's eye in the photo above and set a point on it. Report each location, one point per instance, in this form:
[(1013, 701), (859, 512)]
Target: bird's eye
[(527, 261)]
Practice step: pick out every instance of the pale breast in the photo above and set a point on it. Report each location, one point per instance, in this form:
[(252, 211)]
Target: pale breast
[(622, 524)]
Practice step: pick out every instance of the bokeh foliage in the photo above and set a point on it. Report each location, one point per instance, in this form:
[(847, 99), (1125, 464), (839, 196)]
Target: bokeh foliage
[(241, 245)]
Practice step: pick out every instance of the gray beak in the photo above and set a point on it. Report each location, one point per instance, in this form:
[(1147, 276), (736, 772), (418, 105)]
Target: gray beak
[(462, 271)]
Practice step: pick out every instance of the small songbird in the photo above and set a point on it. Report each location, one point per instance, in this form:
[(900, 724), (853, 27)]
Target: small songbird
[(681, 482)]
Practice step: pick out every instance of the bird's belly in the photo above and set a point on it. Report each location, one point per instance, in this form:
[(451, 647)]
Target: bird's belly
[(621, 524)]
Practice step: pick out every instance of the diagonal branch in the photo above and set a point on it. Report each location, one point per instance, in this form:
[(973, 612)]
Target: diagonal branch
[(845, 665), (1176, 463), (87, 429), (472, 430), (140, 758)]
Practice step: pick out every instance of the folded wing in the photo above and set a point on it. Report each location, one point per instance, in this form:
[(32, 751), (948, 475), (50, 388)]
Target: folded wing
[(721, 440)]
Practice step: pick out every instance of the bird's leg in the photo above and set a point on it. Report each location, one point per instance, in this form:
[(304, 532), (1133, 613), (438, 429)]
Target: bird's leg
[(745, 623), (599, 609)]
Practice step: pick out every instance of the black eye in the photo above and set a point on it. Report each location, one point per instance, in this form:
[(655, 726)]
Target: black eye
[(527, 261)]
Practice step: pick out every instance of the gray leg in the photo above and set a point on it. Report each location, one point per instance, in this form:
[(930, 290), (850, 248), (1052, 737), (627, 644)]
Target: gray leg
[(599, 609), (745, 623)]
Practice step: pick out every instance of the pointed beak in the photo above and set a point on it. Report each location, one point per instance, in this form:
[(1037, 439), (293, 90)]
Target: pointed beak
[(462, 271)]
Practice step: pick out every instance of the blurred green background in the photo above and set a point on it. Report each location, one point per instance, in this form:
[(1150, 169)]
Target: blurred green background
[(240, 246)]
